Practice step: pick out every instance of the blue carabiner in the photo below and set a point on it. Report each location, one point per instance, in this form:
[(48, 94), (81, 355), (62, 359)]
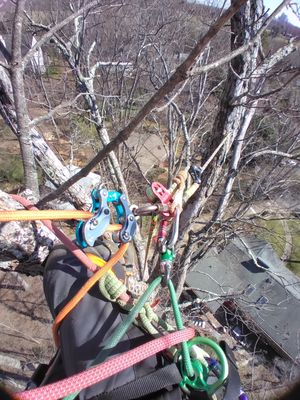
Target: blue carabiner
[(88, 232), (114, 197)]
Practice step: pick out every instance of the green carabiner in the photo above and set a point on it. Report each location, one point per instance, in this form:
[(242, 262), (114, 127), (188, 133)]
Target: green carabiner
[(201, 371), (198, 381)]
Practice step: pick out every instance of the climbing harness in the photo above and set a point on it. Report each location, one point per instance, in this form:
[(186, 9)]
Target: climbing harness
[(107, 369), (85, 288), (197, 366)]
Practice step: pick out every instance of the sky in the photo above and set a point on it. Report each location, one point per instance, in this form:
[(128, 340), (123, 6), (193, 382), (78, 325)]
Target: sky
[(272, 4)]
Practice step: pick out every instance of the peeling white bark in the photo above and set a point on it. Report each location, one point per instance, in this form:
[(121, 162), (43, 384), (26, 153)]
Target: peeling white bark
[(57, 172), (23, 241)]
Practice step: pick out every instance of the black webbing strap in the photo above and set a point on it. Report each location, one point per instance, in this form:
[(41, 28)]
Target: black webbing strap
[(151, 383), (232, 388)]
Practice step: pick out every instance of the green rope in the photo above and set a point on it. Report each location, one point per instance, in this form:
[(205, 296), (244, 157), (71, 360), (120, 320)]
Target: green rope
[(200, 380), (121, 329), (111, 287), (147, 316), (185, 351)]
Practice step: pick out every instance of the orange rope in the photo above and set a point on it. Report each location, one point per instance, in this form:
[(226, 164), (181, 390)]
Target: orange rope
[(45, 216), (26, 215), (62, 237), (85, 288)]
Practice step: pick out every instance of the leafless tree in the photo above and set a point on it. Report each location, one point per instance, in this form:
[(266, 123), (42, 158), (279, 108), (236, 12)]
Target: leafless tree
[(246, 75), (137, 68)]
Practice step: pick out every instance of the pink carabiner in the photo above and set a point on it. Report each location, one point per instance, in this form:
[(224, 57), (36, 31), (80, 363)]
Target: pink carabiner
[(161, 193), (164, 197)]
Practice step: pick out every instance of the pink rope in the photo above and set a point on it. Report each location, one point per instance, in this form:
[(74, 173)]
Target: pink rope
[(60, 235), (107, 369)]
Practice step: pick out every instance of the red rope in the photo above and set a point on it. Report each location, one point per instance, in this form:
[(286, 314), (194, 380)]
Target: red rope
[(60, 235), (107, 369)]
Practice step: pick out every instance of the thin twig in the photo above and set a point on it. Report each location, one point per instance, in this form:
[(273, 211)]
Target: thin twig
[(179, 76), (22, 333)]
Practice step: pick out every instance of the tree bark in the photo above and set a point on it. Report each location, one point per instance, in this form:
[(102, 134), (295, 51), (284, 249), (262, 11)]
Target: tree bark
[(254, 89), (257, 85), (181, 74), (230, 121), (44, 156), (23, 244), (244, 25), (22, 119)]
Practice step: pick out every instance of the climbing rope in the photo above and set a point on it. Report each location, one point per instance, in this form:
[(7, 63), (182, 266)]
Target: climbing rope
[(122, 329), (85, 288), (113, 289), (31, 215), (185, 352), (166, 208), (112, 342), (109, 368), (78, 253)]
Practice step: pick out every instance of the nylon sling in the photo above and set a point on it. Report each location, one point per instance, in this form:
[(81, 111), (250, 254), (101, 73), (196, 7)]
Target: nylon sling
[(151, 383)]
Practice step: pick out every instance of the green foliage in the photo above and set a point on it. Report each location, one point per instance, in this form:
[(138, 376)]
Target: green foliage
[(53, 71), (5, 131), (294, 262), (85, 129), (11, 169), (266, 37), (265, 129), (273, 232), (155, 173), (11, 172)]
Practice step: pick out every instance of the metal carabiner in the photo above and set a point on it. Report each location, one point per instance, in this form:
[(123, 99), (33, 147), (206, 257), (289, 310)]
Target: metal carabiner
[(175, 231), (148, 209), (196, 173), (129, 224), (88, 232)]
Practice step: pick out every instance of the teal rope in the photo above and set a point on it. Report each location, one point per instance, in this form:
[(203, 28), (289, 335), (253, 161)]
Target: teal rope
[(121, 330), (185, 351)]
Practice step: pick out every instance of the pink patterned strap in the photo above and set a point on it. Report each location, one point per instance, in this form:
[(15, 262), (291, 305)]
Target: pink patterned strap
[(107, 369)]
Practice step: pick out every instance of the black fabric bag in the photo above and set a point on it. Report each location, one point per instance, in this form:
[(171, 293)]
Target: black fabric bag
[(85, 329)]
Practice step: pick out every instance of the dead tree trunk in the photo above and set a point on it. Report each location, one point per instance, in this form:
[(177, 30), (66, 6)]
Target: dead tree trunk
[(25, 141), (236, 111), (44, 156)]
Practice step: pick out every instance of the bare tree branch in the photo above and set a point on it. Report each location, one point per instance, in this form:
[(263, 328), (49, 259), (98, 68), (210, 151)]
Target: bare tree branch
[(59, 26), (275, 153), (3, 65), (242, 49), (179, 75), (269, 93), (54, 111)]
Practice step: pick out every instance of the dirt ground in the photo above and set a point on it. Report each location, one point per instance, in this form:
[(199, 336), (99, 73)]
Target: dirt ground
[(25, 328)]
